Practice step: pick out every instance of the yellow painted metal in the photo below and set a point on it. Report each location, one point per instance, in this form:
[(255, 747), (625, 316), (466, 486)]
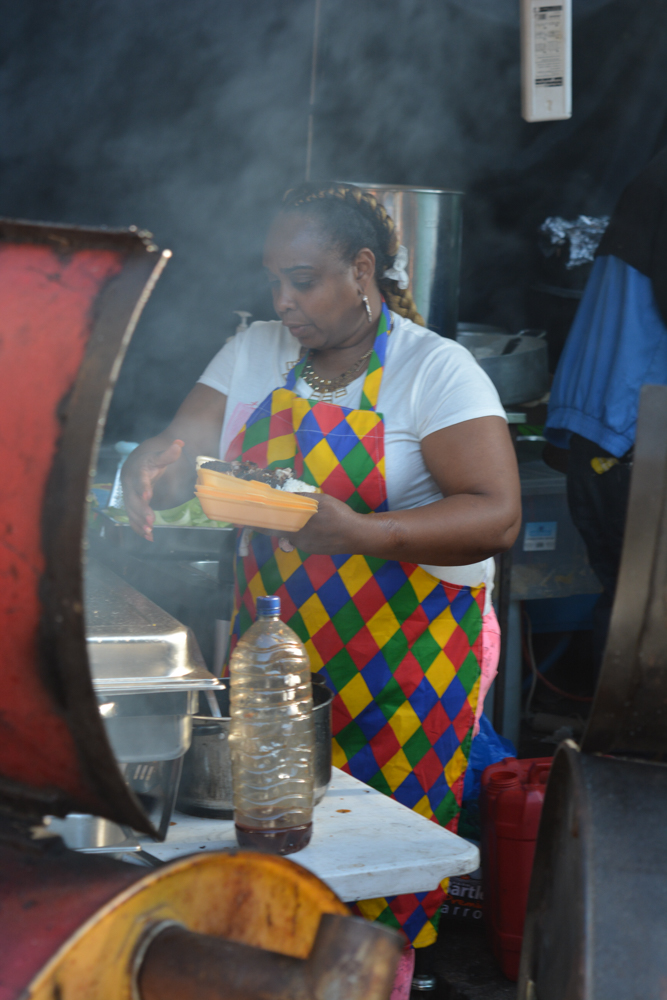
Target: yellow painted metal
[(257, 899)]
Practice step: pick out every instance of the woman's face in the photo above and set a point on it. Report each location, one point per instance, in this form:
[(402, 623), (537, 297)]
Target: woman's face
[(316, 294)]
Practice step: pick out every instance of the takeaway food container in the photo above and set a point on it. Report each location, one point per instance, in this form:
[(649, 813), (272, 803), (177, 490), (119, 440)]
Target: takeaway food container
[(147, 673)]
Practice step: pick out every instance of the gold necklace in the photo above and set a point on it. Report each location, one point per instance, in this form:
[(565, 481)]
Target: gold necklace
[(333, 388)]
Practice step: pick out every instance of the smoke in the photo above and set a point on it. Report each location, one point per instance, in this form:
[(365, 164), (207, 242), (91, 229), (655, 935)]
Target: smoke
[(190, 119), (186, 119)]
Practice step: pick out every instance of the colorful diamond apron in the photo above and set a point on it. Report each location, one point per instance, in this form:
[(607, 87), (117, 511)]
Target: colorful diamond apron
[(399, 648)]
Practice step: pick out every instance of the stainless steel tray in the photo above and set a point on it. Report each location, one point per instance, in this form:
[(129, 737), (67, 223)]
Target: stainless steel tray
[(133, 645), (92, 834), (170, 542)]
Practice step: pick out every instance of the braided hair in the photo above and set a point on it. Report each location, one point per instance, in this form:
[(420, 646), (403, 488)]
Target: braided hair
[(355, 219)]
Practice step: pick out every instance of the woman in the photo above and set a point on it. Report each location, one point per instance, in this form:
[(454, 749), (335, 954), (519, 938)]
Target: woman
[(388, 583)]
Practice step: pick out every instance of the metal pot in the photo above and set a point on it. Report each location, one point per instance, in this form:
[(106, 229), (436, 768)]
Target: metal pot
[(322, 698), (516, 364), (429, 223), (206, 783)]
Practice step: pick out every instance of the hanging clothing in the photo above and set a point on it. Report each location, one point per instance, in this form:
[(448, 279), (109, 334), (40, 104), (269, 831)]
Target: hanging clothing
[(618, 342), (598, 503), (399, 648), (637, 231)]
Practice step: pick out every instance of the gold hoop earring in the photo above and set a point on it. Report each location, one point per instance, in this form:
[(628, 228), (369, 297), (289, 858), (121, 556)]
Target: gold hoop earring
[(369, 311)]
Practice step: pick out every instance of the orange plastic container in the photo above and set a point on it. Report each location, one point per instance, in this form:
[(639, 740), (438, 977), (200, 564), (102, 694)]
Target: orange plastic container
[(254, 512), (225, 481), (276, 498), (511, 800), (224, 497)]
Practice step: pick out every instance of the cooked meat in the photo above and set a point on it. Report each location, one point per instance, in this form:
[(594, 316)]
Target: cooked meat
[(251, 471), (217, 466)]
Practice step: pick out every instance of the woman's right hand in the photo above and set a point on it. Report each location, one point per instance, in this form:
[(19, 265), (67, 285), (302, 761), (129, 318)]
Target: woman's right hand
[(168, 460), (143, 468)]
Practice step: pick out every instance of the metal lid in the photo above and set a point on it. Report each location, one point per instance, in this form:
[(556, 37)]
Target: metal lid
[(399, 187), (133, 645), (69, 302)]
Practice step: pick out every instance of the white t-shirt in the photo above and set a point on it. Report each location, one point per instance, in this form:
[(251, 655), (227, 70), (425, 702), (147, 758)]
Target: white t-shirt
[(428, 383)]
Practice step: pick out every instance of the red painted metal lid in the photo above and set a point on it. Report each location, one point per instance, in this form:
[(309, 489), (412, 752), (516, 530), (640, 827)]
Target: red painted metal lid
[(69, 299)]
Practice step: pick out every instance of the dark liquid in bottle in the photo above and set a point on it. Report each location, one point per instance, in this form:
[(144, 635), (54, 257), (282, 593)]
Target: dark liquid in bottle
[(288, 841)]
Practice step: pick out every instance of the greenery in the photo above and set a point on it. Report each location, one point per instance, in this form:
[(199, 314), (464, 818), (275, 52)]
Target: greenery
[(187, 515)]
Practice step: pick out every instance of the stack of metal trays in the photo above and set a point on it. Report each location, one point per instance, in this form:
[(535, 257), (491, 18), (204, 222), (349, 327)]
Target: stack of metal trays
[(147, 673)]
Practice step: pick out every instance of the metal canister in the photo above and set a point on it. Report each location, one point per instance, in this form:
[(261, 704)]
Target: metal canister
[(429, 222), (206, 783)]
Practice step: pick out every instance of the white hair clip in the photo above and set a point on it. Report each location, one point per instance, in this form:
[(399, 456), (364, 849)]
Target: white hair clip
[(398, 270)]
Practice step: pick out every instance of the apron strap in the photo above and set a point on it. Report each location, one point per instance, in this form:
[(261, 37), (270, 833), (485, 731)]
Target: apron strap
[(371, 390), (294, 374)]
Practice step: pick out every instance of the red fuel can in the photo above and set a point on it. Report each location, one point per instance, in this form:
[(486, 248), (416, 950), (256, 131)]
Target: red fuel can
[(510, 804)]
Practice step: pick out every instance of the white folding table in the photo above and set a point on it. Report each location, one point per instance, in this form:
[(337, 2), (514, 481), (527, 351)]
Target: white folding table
[(364, 844)]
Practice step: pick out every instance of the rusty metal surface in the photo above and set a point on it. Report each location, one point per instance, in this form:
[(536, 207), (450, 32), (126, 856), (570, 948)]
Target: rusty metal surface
[(629, 713), (351, 959), (69, 300), (46, 893), (254, 899), (596, 922), (597, 911)]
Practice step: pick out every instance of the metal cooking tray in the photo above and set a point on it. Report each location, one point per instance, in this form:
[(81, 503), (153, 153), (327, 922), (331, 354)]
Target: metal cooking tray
[(133, 645), (170, 542)]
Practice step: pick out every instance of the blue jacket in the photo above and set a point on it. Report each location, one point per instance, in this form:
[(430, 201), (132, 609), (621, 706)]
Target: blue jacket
[(617, 344)]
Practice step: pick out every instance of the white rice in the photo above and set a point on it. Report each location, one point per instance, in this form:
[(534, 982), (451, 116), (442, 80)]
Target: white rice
[(297, 486)]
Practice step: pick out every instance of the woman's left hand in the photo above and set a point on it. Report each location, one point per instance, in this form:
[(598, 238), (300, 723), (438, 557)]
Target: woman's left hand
[(333, 530)]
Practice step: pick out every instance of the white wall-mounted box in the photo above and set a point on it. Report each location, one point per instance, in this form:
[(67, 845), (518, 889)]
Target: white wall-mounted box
[(546, 60)]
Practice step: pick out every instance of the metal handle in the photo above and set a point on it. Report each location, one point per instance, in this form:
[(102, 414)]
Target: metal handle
[(351, 959), (511, 344), (534, 333)]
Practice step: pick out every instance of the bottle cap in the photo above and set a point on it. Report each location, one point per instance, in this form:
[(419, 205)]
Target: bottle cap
[(268, 605)]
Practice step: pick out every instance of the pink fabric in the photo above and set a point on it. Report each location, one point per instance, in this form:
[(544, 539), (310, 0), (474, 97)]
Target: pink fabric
[(489, 664), (404, 974), (234, 425)]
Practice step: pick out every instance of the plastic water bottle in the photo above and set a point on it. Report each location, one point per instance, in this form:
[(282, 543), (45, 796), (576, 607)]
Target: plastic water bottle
[(272, 736)]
